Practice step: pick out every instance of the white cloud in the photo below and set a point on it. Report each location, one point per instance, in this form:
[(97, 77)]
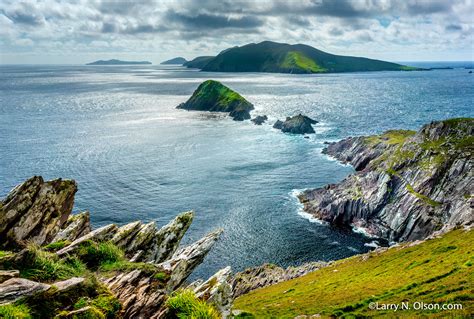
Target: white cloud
[(149, 29)]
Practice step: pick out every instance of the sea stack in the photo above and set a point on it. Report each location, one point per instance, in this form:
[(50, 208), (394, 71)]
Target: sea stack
[(298, 124), (213, 96)]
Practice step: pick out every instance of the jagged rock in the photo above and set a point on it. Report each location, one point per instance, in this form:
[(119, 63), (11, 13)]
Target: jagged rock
[(143, 292), (35, 211), (298, 124), (17, 288), (76, 226), (269, 274), (259, 120), (407, 184), (126, 233), (217, 291), (101, 234), (140, 292), (143, 240), (169, 236), (185, 260), (8, 274)]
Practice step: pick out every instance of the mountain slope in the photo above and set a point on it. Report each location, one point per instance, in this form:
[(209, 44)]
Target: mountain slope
[(176, 61), (275, 57), (199, 62), (436, 271)]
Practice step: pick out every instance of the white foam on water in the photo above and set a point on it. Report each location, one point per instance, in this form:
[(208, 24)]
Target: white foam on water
[(372, 244), (294, 194)]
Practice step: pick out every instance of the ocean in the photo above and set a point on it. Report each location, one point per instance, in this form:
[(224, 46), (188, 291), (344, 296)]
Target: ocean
[(116, 131)]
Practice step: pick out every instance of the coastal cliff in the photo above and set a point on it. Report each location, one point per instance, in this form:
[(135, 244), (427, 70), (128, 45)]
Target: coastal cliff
[(407, 184), (54, 265)]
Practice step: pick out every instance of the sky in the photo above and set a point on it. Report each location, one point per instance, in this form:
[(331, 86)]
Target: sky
[(76, 32)]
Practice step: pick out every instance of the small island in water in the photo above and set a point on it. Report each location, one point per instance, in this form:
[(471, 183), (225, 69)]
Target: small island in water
[(175, 61), (118, 62)]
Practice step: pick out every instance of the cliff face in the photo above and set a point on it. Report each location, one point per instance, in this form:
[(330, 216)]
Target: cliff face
[(407, 184)]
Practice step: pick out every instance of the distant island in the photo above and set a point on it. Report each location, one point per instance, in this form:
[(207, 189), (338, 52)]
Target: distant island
[(176, 61), (199, 62), (118, 62), (276, 57)]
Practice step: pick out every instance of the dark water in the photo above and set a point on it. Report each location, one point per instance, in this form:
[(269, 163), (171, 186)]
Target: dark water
[(116, 131)]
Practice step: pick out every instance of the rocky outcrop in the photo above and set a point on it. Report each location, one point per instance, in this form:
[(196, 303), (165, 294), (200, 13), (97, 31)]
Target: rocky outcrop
[(213, 96), (35, 211), (260, 119), (269, 274), (76, 226), (17, 288), (298, 124), (156, 269), (185, 260), (217, 291), (407, 184)]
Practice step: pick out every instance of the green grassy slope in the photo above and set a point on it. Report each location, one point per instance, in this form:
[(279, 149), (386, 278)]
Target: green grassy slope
[(284, 58), (436, 271), (214, 96)]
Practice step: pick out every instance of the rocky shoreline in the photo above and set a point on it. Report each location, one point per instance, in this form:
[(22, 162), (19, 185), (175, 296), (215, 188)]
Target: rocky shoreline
[(407, 184)]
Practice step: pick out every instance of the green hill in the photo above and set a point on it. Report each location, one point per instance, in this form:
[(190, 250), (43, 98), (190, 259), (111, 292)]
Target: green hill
[(213, 96), (275, 57), (437, 271)]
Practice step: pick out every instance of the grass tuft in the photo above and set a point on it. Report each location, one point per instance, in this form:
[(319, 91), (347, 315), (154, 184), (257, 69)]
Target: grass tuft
[(184, 304), (15, 311)]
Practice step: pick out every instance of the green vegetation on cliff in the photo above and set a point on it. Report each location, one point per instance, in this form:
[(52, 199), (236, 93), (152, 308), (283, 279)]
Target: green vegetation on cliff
[(270, 56), (437, 271), (215, 97)]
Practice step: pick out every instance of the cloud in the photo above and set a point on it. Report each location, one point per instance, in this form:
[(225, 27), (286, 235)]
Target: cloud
[(385, 29), (213, 21), (24, 13)]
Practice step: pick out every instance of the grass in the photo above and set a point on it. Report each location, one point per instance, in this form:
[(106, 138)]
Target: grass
[(297, 60), (184, 305), (57, 245), (214, 96), (424, 198), (44, 266), (96, 254), (391, 137), (436, 271), (15, 311)]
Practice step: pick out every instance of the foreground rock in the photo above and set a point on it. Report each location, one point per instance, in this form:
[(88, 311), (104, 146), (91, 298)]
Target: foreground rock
[(268, 274), (213, 96), (259, 120), (157, 268), (35, 211), (298, 124), (407, 184)]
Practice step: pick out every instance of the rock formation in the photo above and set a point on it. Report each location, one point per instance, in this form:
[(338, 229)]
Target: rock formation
[(150, 267), (407, 184), (298, 124), (269, 274), (35, 211), (213, 96), (259, 120)]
